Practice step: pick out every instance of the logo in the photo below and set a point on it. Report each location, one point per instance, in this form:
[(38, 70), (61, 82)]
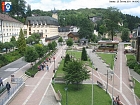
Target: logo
[(6, 6)]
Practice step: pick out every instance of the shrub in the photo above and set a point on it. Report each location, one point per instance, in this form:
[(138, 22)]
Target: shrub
[(131, 63), (2, 89)]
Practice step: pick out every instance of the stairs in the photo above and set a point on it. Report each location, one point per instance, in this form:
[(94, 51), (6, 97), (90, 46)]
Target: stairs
[(25, 77)]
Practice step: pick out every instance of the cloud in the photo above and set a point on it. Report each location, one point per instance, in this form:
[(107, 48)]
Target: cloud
[(47, 5), (132, 11)]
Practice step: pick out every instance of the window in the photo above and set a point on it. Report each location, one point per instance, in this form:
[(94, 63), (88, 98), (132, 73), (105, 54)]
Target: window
[(45, 30)]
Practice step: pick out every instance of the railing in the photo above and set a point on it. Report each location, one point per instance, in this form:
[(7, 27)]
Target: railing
[(7, 96)]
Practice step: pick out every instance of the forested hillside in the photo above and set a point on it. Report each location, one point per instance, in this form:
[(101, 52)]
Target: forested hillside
[(69, 17)]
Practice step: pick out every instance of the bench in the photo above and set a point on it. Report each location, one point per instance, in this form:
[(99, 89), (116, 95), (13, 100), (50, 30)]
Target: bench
[(58, 96), (100, 84), (131, 85)]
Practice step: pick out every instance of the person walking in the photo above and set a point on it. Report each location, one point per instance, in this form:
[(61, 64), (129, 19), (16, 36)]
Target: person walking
[(47, 67), (8, 86), (1, 82)]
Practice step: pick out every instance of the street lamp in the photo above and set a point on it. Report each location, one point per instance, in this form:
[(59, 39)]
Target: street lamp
[(92, 77), (54, 64), (113, 79), (92, 83), (107, 82), (66, 88)]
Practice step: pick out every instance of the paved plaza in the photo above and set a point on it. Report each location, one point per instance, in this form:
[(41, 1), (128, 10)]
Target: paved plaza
[(39, 91)]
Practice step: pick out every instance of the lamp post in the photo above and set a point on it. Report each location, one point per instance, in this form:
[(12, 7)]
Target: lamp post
[(113, 79), (54, 64), (92, 83), (92, 77), (107, 82), (66, 88)]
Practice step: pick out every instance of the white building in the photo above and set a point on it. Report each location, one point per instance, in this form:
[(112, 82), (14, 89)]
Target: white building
[(9, 27), (46, 26), (74, 29)]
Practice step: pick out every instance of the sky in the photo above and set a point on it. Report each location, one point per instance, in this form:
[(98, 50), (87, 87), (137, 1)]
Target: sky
[(131, 7)]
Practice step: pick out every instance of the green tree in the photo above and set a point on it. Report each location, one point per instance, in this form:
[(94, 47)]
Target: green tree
[(60, 40), (75, 72), (13, 41), (69, 42), (86, 28), (84, 54), (21, 43), (67, 59), (1, 46), (31, 55), (30, 40), (54, 44), (18, 8), (29, 12), (111, 19), (46, 49), (40, 50), (102, 29), (6, 45), (50, 46), (125, 34)]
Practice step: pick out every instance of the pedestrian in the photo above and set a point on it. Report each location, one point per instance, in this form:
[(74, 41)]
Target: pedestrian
[(47, 59), (47, 67), (42, 66), (1, 82), (8, 86), (50, 60)]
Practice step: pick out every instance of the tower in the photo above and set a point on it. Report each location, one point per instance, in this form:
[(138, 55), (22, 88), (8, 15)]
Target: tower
[(54, 14)]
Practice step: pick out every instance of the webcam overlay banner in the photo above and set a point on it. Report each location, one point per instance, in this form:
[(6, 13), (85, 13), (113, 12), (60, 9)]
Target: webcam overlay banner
[(6, 6)]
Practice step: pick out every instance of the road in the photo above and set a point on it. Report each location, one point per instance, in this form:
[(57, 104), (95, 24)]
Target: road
[(121, 84), (9, 69)]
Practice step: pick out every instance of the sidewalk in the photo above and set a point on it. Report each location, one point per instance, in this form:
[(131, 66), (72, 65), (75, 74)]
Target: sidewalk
[(121, 83), (37, 90)]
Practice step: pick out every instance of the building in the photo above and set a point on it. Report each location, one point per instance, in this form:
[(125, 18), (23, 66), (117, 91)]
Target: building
[(46, 26), (138, 44), (74, 36), (9, 27), (54, 15)]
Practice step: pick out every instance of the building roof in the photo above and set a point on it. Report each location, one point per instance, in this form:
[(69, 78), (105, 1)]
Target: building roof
[(52, 38), (108, 42), (8, 18), (64, 29), (41, 19), (74, 33)]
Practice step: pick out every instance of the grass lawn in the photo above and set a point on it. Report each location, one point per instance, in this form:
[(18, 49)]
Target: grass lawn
[(137, 88), (130, 56), (76, 54), (60, 71), (108, 58), (83, 96)]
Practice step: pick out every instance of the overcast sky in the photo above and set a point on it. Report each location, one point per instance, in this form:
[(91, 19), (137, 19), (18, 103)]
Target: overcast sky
[(125, 6)]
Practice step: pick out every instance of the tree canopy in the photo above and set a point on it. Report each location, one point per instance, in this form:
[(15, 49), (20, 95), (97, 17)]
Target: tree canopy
[(111, 19), (125, 34), (75, 72), (86, 28), (31, 55), (21, 43)]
